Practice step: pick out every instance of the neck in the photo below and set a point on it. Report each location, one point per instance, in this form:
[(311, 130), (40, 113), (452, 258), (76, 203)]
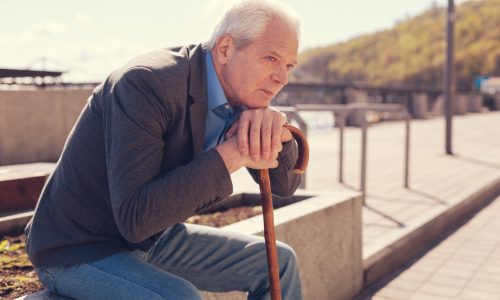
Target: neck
[(219, 71)]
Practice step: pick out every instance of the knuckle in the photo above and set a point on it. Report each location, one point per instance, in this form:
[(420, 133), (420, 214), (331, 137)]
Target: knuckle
[(267, 130), (254, 130)]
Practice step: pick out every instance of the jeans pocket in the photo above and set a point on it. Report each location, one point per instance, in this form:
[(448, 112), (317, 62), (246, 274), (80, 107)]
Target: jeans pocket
[(48, 280)]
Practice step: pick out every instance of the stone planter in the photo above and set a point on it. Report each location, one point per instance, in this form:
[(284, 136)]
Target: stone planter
[(20, 186), (475, 103), (20, 194), (325, 232), (419, 107), (496, 102), (323, 229), (461, 103)]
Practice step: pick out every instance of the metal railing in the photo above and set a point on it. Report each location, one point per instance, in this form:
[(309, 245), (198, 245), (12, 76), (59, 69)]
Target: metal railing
[(341, 112)]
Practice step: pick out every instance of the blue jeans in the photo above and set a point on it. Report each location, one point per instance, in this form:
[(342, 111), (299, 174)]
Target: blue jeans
[(186, 258)]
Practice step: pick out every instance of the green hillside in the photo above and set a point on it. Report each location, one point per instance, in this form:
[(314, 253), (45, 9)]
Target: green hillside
[(412, 52)]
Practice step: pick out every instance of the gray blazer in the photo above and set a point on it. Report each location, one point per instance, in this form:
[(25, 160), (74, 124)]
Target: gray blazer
[(133, 165)]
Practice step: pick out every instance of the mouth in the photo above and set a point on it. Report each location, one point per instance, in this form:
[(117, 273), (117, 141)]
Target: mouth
[(268, 93)]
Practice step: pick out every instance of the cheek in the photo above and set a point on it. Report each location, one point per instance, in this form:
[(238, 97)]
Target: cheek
[(247, 79), (258, 78)]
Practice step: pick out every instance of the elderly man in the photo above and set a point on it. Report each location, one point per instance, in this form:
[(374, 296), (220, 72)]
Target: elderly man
[(156, 143)]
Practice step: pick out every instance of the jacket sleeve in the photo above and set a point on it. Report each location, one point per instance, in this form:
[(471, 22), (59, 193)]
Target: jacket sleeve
[(283, 181), (143, 201)]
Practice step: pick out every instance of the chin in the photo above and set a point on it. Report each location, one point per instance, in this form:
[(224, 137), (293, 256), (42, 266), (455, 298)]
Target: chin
[(259, 105), (256, 103)]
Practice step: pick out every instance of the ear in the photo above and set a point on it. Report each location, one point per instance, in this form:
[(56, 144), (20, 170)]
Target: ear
[(224, 49)]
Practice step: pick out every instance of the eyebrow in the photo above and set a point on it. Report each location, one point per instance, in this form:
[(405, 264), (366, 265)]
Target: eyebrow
[(279, 56)]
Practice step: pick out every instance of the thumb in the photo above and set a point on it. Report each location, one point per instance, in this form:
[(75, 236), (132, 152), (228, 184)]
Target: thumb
[(286, 135), (233, 130)]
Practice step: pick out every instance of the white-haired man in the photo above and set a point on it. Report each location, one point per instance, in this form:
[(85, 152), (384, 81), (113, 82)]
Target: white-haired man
[(156, 143)]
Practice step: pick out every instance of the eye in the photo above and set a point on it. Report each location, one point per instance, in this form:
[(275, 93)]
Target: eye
[(270, 58), (290, 67)]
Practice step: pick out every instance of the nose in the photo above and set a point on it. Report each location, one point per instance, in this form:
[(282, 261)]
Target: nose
[(280, 76)]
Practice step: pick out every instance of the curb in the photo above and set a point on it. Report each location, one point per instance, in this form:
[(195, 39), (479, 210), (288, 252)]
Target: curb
[(416, 240)]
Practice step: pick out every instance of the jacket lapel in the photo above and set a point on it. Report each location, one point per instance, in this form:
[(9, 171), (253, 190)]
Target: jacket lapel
[(198, 95)]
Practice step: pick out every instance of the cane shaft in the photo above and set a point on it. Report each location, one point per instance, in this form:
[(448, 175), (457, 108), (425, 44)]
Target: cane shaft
[(267, 211), (272, 255)]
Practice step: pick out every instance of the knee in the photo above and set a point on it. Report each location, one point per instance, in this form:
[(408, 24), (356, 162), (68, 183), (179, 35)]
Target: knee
[(286, 256)]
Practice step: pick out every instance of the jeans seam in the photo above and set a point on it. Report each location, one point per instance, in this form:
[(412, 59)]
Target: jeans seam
[(214, 272), (133, 283)]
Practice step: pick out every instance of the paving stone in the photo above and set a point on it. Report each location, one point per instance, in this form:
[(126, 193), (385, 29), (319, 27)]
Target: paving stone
[(440, 290), (425, 296), (395, 294), (449, 281), (470, 294)]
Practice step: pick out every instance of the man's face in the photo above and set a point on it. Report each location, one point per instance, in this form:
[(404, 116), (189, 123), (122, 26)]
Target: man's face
[(252, 76)]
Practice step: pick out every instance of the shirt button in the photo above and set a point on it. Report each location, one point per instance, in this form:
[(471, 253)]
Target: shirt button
[(226, 106)]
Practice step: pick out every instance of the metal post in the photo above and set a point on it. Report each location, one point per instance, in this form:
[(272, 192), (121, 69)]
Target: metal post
[(449, 81), (407, 148), (343, 96), (363, 154), (342, 117)]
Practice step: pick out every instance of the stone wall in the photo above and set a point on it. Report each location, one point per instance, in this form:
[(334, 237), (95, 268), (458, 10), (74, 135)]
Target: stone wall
[(34, 124)]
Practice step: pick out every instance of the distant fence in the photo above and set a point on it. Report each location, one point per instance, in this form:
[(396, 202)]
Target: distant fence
[(421, 102), (35, 122)]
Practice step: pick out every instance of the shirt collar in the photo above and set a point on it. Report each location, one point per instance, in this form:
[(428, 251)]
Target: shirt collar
[(216, 96)]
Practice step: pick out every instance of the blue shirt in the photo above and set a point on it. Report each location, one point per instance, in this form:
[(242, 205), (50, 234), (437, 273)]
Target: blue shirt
[(220, 114)]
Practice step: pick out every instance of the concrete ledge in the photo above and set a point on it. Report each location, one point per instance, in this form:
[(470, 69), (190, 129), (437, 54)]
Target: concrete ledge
[(20, 185), (43, 295), (411, 241), (14, 222), (325, 232)]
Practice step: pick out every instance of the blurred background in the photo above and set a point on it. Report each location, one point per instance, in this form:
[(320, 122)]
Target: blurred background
[(380, 42)]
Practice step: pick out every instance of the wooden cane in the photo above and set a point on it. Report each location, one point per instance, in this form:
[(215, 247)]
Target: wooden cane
[(267, 210)]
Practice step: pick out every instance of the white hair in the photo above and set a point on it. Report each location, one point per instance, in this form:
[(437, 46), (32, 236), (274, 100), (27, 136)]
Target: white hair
[(246, 21)]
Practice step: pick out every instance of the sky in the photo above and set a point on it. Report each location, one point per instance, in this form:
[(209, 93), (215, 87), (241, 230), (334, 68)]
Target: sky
[(91, 38)]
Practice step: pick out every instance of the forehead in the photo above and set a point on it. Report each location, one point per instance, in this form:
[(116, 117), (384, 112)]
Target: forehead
[(279, 38)]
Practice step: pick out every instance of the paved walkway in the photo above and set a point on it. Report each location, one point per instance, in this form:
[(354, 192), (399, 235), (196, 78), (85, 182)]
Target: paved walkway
[(464, 266)]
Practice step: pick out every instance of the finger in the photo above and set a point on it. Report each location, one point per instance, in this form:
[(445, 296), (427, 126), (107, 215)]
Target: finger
[(286, 135), (274, 164), (254, 137), (280, 148), (266, 132), (276, 135), (243, 127)]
